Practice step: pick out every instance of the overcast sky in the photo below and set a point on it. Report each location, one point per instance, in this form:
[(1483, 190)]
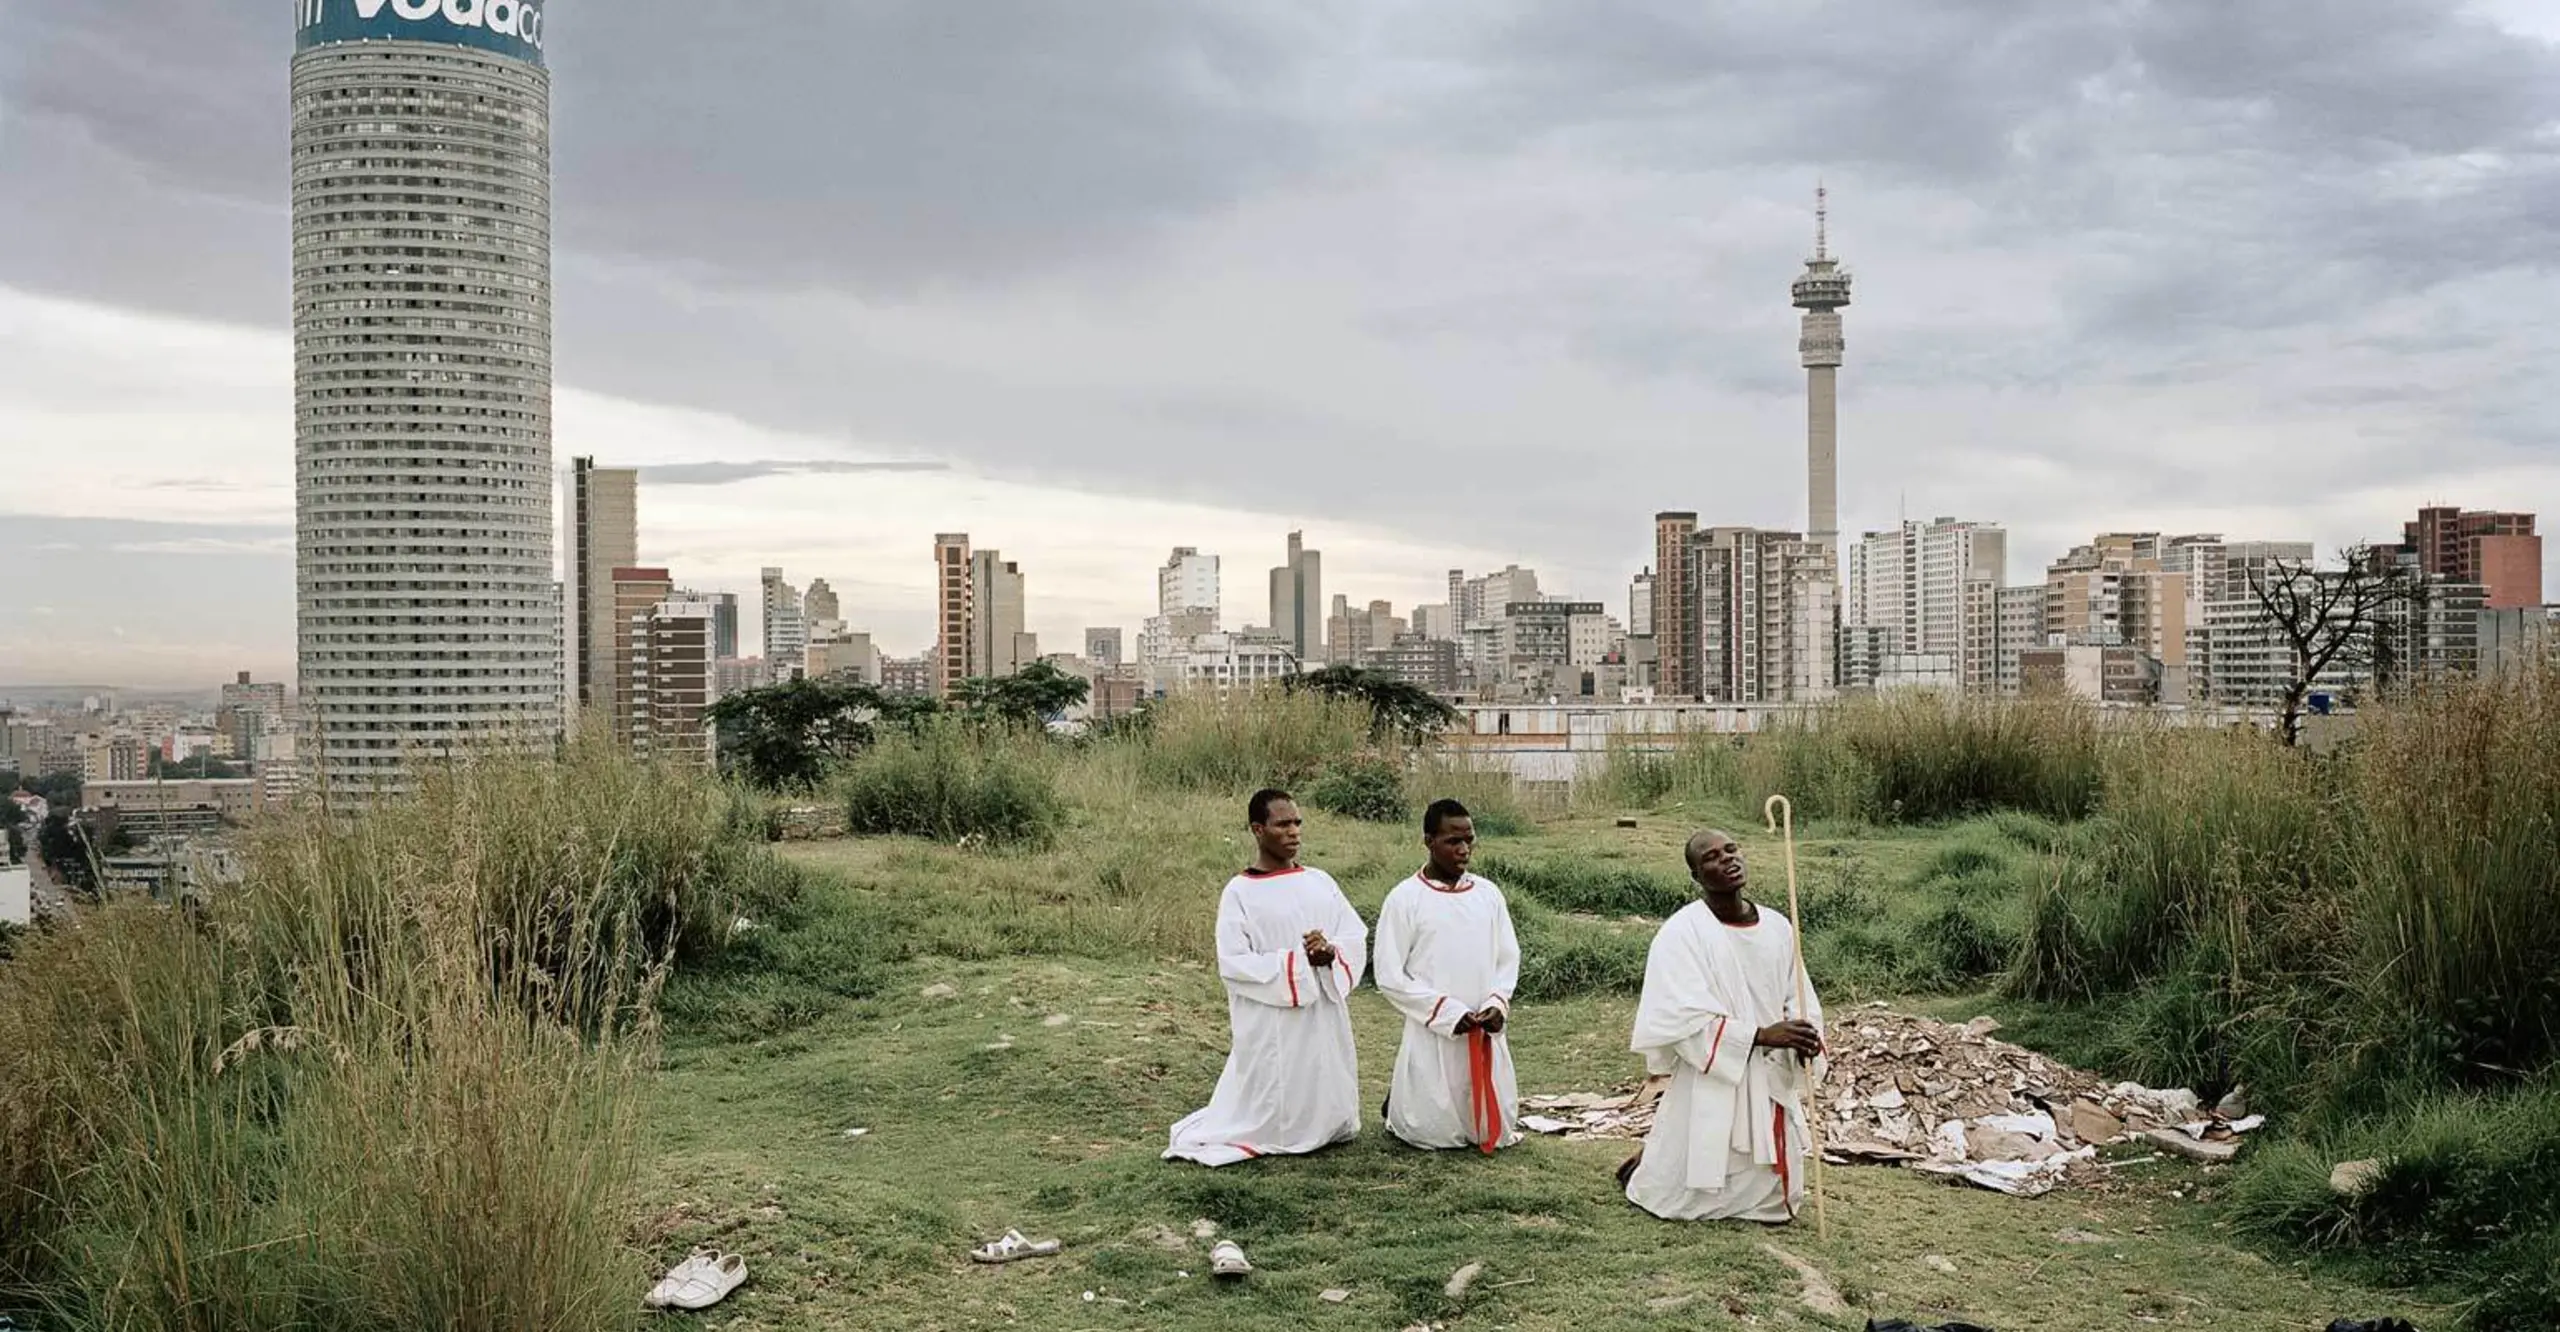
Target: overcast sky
[(1453, 283)]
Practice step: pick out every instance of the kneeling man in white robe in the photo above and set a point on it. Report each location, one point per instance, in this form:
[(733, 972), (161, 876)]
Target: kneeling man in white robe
[(1719, 1016), (1447, 958), (1290, 950)]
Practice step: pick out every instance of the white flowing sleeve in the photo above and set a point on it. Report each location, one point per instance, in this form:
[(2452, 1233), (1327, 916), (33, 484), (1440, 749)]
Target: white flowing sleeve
[(1281, 979), (1350, 939), (1413, 996), (1506, 952), (1681, 1018)]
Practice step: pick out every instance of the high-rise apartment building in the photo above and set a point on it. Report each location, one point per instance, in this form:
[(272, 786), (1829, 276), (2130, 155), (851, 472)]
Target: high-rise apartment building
[(1188, 582), (1297, 602), (1640, 605), (1742, 614), (1928, 590), (636, 592), (998, 647), (1822, 292), (818, 605), (671, 683), (1436, 623), (2498, 551), (1677, 672), (1102, 646), (2019, 625), (952, 612), (421, 168), (786, 627), (2115, 591), (604, 535), (246, 711), (1354, 634)]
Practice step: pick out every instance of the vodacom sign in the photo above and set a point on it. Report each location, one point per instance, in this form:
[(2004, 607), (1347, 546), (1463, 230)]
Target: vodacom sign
[(517, 19)]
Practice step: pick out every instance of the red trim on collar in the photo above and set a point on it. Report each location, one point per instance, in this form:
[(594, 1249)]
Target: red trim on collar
[(1465, 882)]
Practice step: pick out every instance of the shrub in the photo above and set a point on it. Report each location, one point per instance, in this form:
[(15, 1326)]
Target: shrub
[(1361, 786), (1492, 798), (950, 782), (2468, 1194), (1600, 890)]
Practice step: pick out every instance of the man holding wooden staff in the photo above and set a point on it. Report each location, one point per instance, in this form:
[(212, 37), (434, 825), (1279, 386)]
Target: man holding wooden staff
[(1722, 1016)]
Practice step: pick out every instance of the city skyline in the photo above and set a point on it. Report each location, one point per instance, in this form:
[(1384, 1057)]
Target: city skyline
[(2007, 367)]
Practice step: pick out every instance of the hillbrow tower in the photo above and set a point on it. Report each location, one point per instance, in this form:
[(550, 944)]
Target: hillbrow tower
[(1822, 293), (422, 383)]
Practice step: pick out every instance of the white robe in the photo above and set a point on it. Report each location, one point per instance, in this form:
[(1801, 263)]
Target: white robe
[(1729, 1139), (1443, 953), (1292, 1080)]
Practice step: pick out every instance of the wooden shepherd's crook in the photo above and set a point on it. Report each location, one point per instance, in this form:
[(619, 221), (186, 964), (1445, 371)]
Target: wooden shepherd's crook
[(1778, 806)]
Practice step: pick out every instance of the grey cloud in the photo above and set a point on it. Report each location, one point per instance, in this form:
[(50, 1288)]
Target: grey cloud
[(727, 473), (909, 219)]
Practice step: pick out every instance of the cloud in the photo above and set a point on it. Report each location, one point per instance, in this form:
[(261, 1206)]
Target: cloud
[(276, 545), (1513, 271), (728, 473)]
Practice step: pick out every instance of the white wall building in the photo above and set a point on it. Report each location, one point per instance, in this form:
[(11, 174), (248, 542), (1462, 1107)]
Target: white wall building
[(1189, 581)]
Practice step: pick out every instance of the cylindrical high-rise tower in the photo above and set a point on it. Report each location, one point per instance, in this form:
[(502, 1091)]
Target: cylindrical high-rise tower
[(1822, 293), (422, 383)]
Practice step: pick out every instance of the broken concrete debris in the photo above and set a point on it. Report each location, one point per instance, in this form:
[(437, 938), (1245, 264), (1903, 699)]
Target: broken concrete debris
[(1952, 1100)]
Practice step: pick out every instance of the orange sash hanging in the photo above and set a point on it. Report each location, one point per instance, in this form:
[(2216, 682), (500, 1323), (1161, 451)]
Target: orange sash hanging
[(1486, 1102)]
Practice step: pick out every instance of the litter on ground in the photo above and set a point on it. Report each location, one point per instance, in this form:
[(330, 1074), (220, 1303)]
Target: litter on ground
[(1952, 1100)]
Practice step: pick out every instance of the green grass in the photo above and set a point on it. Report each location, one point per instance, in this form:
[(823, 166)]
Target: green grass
[(1039, 1094)]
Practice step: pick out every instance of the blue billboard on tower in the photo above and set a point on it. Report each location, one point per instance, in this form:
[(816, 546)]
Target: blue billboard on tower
[(507, 27)]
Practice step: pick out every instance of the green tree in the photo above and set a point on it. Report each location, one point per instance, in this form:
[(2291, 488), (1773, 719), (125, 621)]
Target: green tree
[(787, 735), (64, 846), (1031, 697), (1397, 708)]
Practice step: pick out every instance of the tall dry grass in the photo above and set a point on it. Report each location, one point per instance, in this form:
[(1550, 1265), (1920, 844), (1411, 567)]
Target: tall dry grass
[(1200, 742), (1909, 758), (392, 1080)]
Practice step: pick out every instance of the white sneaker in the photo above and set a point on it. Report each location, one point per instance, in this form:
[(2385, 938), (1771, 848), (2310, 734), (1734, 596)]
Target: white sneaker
[(708, 1285), (697, 1264)]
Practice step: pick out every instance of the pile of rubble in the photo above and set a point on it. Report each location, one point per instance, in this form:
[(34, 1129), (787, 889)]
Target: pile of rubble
[(1951, 1100)]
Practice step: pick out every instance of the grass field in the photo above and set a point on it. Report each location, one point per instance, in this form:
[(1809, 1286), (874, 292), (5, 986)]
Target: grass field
[(1083, 1020)]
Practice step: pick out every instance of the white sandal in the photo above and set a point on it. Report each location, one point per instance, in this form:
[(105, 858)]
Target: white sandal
[(1227, 1260), (1011, 1248), (709, 1284)]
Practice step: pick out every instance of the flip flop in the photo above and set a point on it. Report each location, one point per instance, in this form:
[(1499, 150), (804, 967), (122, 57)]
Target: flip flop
[(1227, 1259), (1013, 1247), (709, 1284)]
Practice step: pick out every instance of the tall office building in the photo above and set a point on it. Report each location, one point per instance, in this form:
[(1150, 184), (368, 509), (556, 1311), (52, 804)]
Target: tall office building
[(1102, 646), (248, 711), (1822, 293), (952, 604), (786, 626), (820, 605), (1297, 602), (724, 624), (421, 142), (998, 647), (1188, 582), (604, 535)]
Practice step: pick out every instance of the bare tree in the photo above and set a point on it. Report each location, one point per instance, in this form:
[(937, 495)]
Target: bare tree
[(2329, 618)]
